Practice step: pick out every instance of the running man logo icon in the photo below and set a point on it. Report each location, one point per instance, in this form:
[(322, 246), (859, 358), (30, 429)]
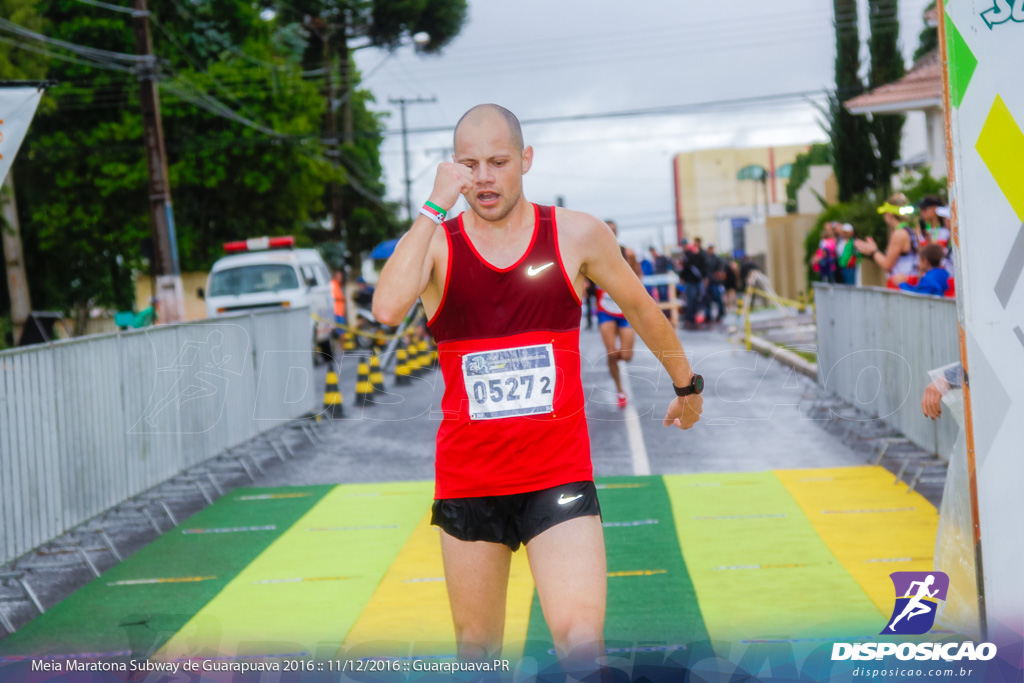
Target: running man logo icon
[(917, 596)]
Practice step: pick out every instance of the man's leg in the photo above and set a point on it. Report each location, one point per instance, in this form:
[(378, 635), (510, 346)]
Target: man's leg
[(692, 296), (570, 571), (476, 575), (608, 335), (627, 338)]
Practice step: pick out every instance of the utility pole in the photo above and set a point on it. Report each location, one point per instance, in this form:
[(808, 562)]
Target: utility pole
[(330, 127), (169, 292), (17, 280), (402, 102)]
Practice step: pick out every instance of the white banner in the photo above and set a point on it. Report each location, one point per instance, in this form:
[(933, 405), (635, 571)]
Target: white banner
[(983, 45), (17, 107)]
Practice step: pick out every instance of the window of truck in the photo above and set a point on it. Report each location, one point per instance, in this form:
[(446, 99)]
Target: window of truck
[(253, 280)]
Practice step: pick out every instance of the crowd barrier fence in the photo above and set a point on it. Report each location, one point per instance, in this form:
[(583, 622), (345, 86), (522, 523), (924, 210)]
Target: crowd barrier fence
[(875, 348), (90, 422)]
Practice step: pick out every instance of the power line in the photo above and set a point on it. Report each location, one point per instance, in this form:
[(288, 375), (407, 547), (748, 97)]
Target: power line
[(652, 111), (112, 8), (81, 50), (54, 55)]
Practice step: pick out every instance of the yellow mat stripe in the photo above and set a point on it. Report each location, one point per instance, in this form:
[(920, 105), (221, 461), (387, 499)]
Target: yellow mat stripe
[(872, 526), (409, 613), (759, 568), (283, 601)]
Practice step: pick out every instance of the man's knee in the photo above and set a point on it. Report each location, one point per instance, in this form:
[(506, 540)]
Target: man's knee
[(581, 629), (613, 357), (626, 355)]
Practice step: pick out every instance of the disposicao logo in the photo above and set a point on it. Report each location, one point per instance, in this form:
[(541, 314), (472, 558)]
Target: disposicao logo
[(917, 596)]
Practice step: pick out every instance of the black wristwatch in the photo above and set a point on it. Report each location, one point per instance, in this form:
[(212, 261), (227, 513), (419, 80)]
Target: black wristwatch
[(696, 386)]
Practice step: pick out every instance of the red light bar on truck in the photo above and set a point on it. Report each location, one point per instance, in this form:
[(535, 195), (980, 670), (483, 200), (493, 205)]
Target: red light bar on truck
[(261, 244)]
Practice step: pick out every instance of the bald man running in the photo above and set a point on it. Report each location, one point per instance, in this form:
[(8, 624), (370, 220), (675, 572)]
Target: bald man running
[(502, 286)]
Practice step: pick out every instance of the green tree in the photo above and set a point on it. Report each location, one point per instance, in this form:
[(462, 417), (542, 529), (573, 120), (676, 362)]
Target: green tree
[(16, 63), (817, 155), (242, 134), (853, 155), (928, 40), (886, 66), (332, 26)]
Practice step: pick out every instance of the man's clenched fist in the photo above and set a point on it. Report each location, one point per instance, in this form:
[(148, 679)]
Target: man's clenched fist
[(451, 180)]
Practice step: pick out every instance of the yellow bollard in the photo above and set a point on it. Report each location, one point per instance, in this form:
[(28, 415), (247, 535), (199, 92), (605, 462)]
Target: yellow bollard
[(402, 372), (364, 390), (376, 376), (332, 397)]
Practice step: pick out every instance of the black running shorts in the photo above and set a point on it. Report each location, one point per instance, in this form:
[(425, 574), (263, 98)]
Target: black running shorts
[(514, 519)]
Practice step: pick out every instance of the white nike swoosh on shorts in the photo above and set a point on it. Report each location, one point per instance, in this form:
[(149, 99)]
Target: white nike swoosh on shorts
[(562, 500)]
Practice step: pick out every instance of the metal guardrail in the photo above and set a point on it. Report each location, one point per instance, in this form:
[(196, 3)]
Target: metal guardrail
[(87, 423), (875, 348)]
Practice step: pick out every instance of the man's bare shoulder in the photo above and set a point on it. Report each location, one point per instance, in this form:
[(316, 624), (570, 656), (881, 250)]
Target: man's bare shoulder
[(580, 226)]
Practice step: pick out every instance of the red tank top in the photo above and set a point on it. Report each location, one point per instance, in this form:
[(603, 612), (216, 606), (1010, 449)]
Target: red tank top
[(508, 344)]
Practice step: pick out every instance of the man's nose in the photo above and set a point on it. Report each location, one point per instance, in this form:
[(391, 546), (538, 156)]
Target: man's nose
[(483, 175)]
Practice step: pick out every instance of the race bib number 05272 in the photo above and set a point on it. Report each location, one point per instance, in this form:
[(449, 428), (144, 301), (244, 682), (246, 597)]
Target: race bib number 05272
[(510, 382)]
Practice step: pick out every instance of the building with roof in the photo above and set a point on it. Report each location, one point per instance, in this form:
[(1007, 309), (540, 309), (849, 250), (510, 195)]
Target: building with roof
[(725, 195), (918, 94)]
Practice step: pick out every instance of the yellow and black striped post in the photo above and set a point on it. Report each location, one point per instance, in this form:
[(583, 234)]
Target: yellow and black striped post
[(426, 358), (402, 371), (350, 340), (364, 390), (333, 407), (413, 357), (376, 376), (379, 342)]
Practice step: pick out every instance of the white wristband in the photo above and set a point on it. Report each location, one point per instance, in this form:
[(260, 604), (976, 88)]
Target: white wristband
[(437, 218)]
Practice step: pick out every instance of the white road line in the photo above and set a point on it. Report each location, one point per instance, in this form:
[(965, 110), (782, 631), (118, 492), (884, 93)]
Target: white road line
[(641, 465)]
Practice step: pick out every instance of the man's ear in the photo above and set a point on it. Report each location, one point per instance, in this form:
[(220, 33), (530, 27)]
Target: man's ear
[(527, 159)]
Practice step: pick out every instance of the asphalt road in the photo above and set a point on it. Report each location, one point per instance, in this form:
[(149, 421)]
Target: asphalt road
[(752, 421)]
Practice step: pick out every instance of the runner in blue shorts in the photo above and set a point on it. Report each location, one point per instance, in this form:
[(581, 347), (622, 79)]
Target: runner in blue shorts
[(617, 335)]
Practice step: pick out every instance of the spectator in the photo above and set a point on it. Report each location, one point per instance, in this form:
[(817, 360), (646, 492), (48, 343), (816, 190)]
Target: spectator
[(846, 255), (949, 377), (715, 270), (731, 284), (934, 226), (661, 265), (589, 291), (747, 266), (338, 292), (936, 278), (900, 258), (364, 293), (647, 268), (691, 272), (824, 260)]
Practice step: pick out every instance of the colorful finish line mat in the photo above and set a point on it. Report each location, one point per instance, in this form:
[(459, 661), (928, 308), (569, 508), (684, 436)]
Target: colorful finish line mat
[(797, 556)]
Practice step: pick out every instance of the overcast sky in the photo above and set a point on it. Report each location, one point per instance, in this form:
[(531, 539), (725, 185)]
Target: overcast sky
[(551, 58)]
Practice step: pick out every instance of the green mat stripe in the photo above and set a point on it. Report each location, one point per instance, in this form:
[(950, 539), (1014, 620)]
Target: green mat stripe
[(315, 580), (100, 617), (652, 603)]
